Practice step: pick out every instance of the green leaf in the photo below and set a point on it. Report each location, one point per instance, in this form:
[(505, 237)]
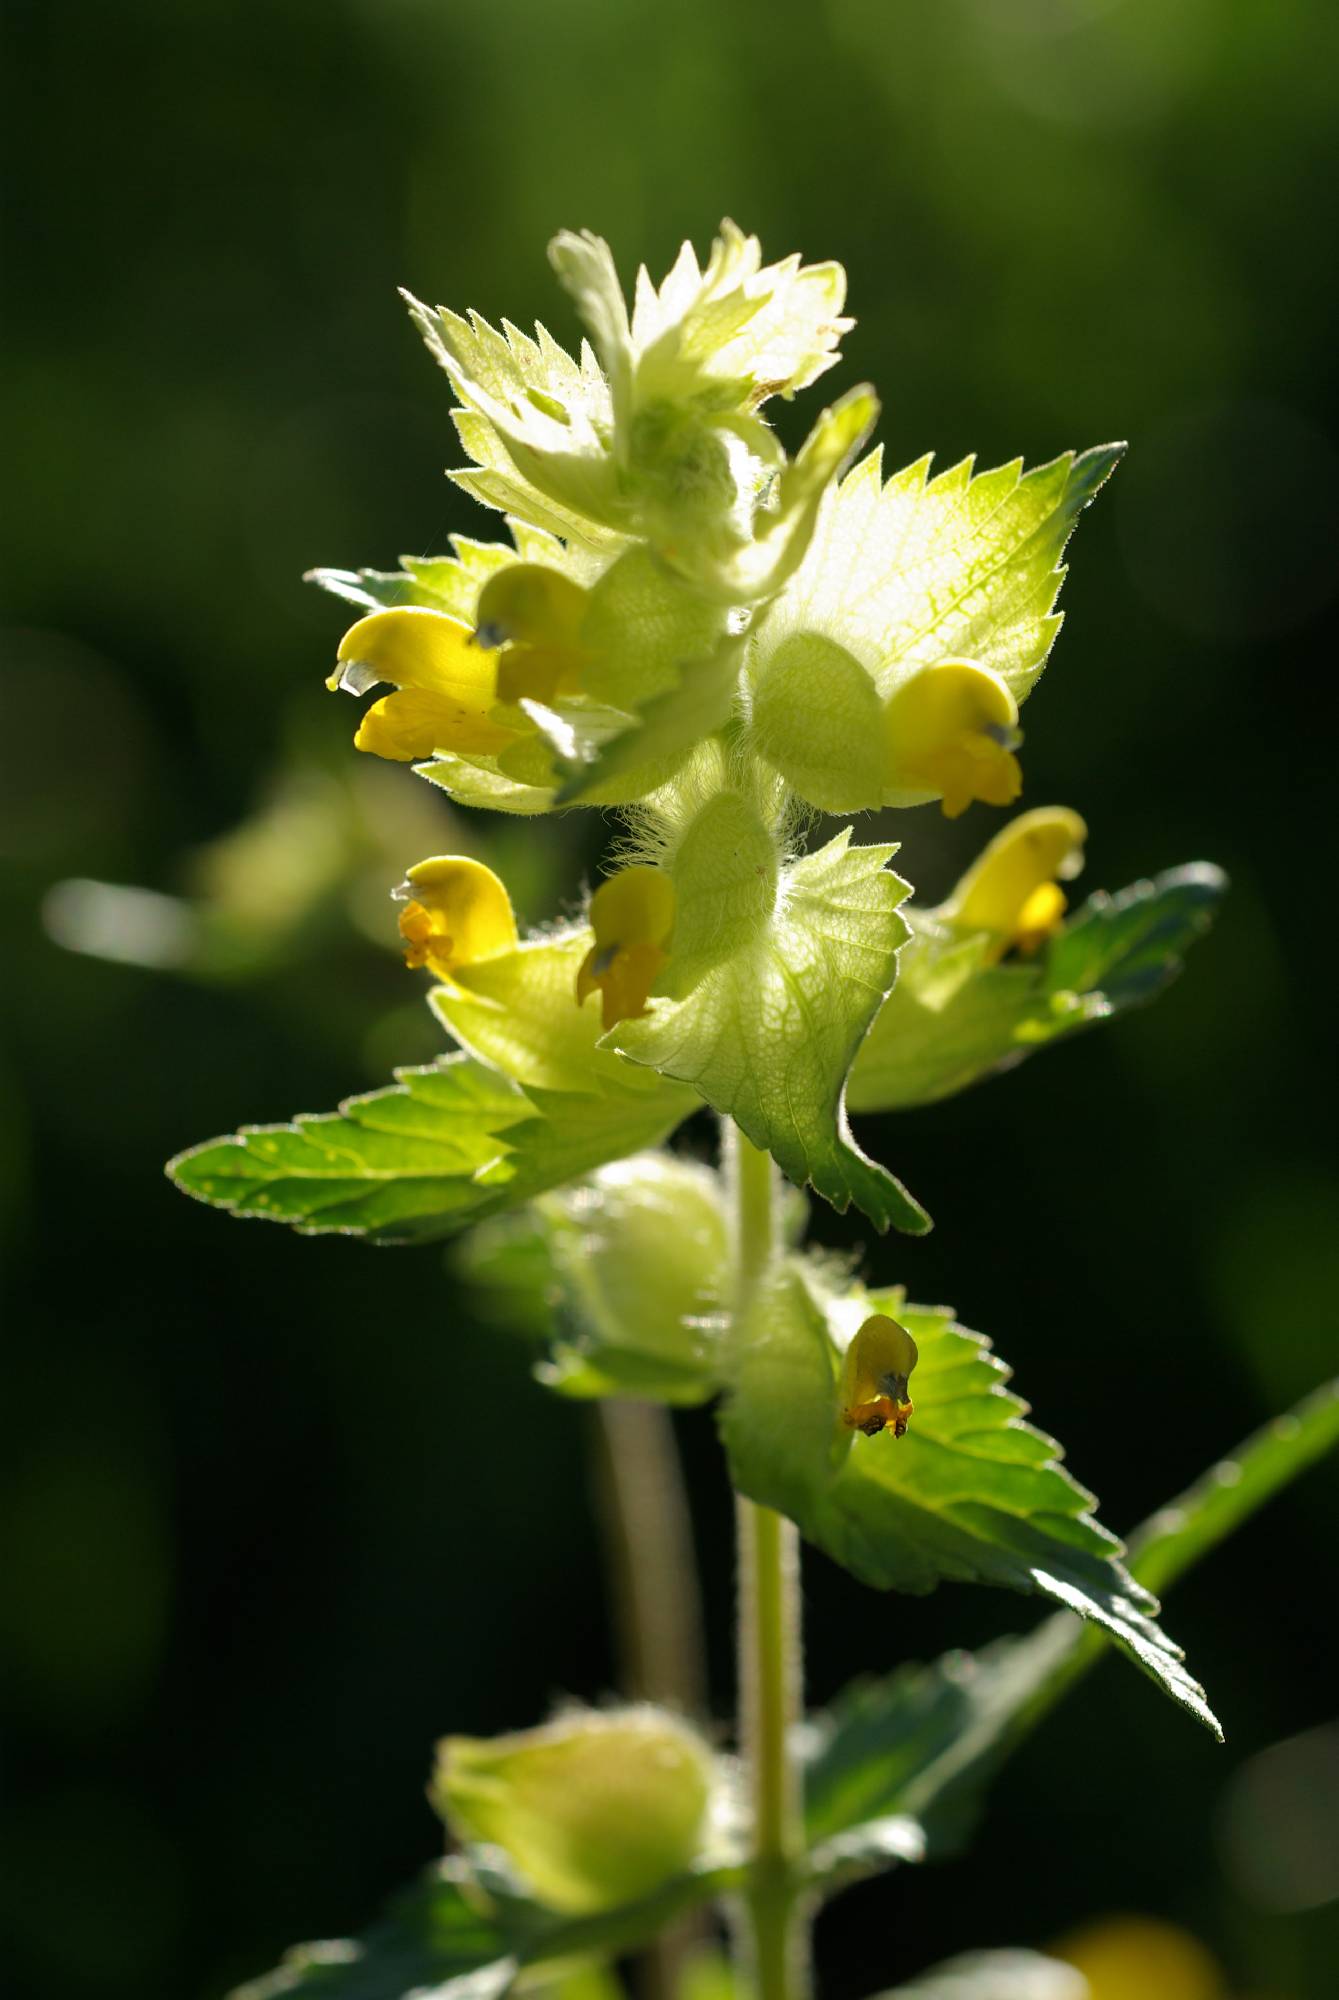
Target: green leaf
[(435, 1938), (431, 1936), (953, 1019), (927, 1741), (448, 1144), (778, 1003), (1127, 947), (972, 1493), (448, 583), (996, 1975)]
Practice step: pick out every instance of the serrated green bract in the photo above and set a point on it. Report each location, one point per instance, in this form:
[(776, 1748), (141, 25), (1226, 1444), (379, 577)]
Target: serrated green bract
[(897, 577), (773, 980), (954, 1017), (537, 424), (663, 442), (972, 1493), (446, 1145), (926, 1741), (727, 337)]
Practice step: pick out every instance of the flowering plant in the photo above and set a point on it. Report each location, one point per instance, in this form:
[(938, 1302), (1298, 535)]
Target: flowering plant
[(726, 645)]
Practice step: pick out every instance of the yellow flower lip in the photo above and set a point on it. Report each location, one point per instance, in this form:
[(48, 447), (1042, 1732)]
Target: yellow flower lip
[(952, 729), (1012, 890), (632, 916), (445, 686), (874, 1394), (457, 913), (532, 616)]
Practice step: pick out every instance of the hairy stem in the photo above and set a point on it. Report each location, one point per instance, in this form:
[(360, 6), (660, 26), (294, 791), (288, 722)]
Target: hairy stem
[(648, 1537), (647, 1530), (770, 1667)]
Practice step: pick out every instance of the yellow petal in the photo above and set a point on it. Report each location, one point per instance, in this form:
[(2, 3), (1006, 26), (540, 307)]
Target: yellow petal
[(530, 605), (535, 615), (635, 906), (875, 1371), (412, 647), (460, 913), (1011, 888), (411, 724), (632, 915), (952, 729)]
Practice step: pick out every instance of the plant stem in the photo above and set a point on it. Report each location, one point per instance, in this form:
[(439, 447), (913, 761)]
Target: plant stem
[(770, 1668), (649, 1559), (642, 1508)]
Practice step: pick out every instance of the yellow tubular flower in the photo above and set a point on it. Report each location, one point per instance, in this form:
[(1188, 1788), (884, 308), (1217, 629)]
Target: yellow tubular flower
[(458, 913), (446, 685), (953, 729), (874, 1394), (632, 915), (1011, 889), (535, 615)]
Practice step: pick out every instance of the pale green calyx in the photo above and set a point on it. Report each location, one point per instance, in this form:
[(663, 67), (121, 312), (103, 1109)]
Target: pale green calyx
[(638, 1259), (593, 1810)]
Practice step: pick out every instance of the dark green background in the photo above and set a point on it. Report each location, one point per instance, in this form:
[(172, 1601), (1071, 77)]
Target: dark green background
[(276, 1513)]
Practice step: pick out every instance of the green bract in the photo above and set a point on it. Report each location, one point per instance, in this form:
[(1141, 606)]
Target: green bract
[(898, 577)]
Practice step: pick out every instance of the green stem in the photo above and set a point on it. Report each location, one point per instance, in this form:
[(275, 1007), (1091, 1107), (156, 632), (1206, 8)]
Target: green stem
[(770, 1668)]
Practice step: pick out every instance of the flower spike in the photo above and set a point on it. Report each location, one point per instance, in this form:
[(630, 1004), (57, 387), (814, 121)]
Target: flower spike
[(632, 916), (952, 729), (874, 1394), (1012, 889), (458, 913)]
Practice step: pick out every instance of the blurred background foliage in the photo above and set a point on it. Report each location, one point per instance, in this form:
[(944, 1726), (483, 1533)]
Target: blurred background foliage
[(274, 1514)]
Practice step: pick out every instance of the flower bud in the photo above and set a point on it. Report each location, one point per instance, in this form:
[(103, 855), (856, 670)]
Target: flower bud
[(593, 1810)]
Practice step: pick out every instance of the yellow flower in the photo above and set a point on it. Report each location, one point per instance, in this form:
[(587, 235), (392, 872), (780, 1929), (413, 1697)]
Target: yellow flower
[(1011, 888), (874, 1390), (458, 913), (632, 915), (446, 685), (535, 615), (953, 729)]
